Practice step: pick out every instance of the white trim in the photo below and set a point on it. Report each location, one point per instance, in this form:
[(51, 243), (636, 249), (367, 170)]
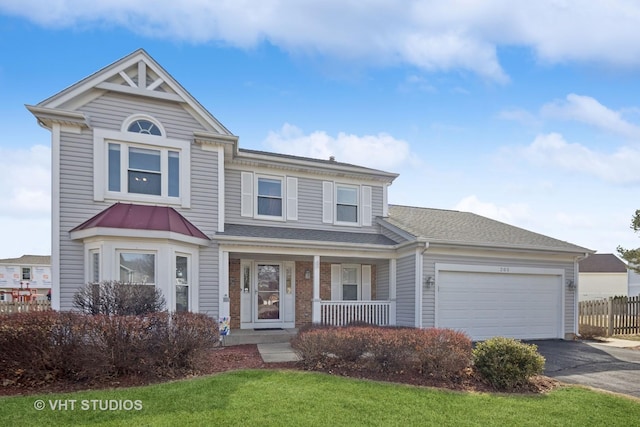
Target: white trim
[(358, 221), (256, 187), (223, 284), (127, 79), (418, 289), (139, 116), (101, 232), (385, 200), (365, 280), (55, 216), (142, 75), (221, 189), (101, 140)]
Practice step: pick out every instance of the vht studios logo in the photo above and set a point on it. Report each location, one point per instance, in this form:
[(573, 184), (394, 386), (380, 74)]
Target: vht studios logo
[(88, 405)]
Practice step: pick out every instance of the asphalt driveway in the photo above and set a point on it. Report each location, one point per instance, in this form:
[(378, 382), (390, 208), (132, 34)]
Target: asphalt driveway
[(596, 365)]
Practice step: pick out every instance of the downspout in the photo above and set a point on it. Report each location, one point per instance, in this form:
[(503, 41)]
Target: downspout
[(576, 309), (420, 284)]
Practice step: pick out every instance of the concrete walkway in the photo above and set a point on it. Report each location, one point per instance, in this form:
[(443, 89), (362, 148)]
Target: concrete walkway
[(277, 352), (617, 342)]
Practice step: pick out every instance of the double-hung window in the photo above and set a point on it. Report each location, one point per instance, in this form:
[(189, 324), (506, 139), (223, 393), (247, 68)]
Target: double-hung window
[(141, 164), (26, 273), (150, 171), (269, 197), (346, 203)]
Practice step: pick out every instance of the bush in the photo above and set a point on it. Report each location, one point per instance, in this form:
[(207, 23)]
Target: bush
[(438, 353), (119, 298), (507, 363), (590, 332), (43, 347)]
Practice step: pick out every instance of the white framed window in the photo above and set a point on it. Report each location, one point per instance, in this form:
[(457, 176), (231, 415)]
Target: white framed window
[(94, 266), (139, 163), (137, 267), (350, 283), (26, 273), (347, 204), (269, 196), (183, 277)]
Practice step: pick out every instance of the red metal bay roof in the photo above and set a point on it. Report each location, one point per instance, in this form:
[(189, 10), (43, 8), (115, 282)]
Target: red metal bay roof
[(142, 217)]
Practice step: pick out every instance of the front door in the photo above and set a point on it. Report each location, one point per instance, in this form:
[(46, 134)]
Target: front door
[(268, 293)]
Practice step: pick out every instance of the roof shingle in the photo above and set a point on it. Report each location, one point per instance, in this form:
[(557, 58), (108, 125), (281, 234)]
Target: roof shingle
[(454, 227)]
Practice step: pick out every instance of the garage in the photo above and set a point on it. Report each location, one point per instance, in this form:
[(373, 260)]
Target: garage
[(523, 303)]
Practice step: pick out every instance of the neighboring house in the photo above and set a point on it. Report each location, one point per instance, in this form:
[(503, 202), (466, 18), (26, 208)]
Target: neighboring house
[(27, 278), (634, 284), (148, 186), (602, 276)]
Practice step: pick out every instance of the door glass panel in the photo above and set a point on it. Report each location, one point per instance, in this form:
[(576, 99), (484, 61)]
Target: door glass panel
[(268, 292)]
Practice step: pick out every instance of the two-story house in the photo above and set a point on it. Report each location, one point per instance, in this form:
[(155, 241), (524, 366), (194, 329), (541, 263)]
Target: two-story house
[(149, 187)]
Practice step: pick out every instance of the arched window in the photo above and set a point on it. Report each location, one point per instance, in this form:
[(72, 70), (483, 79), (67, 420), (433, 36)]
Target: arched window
[(144, 126)]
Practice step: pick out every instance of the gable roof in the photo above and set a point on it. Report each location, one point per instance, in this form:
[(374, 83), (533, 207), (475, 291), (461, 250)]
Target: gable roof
[(138, 74), (28, 260), (602, 263), (142, 217), (469, 229)]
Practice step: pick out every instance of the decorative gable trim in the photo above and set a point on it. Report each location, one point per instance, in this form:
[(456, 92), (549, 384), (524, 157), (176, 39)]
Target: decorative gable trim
[(67, 119), (135, 74)]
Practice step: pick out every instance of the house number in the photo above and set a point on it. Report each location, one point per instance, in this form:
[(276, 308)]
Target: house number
[(504, 269)]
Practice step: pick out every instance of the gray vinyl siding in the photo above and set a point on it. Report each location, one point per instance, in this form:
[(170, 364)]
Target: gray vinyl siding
[(76, 206), (382, 280), (309, 205), (76, 188), (428, 297), (405, 290)]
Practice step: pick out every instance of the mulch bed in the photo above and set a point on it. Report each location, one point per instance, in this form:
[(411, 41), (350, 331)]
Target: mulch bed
[(248, 357)]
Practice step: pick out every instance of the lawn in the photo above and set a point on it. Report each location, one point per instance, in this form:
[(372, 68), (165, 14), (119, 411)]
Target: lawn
[(273, 398)]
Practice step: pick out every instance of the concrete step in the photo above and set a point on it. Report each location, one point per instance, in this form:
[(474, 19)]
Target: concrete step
[(252, 336)]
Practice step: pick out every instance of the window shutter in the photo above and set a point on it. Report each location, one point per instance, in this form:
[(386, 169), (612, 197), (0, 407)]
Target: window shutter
[(336, 279), (246, 198), (366, 205), (327, 202), (292, 198), (366, 282)]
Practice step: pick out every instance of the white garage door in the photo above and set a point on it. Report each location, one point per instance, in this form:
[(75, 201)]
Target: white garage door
[(484, 305)]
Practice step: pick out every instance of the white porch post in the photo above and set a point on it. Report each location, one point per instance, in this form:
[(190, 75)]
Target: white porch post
[(315, 311), (223, 286), (392, 292)]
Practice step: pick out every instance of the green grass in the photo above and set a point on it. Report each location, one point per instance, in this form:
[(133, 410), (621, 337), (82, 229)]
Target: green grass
[(274, 398)]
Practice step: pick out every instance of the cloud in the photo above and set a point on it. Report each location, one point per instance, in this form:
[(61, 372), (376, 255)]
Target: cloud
[(25, 182), (512, 213), (551, 149), (381, 151), (429, 34), (519, 115), (588, 110)]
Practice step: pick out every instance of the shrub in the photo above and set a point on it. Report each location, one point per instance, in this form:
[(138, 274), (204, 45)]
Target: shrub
[(507, 363), (42, 347), (119, 298), (590, 332), (439, 353)]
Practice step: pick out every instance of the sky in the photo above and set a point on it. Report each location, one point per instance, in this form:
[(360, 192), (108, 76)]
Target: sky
[(524, 112)]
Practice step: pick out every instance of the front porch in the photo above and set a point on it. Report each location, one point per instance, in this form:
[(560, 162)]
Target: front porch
[(287, 292)]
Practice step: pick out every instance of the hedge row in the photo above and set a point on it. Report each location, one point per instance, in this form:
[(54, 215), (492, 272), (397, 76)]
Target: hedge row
[(438, 353), (42, 347)]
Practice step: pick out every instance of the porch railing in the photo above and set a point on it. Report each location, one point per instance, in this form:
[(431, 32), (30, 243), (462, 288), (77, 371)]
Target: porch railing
[(341, 313)]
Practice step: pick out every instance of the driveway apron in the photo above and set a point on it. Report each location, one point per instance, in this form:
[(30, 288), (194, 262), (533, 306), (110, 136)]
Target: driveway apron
[(592, 364)]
